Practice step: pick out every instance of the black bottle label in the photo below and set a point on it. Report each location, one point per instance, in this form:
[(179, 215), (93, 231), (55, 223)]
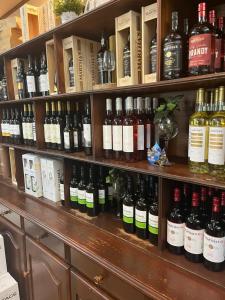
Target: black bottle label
[(153, 58), (172, 56)]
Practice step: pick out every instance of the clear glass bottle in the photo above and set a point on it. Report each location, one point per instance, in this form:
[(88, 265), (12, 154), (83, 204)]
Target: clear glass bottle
[(117, 130)]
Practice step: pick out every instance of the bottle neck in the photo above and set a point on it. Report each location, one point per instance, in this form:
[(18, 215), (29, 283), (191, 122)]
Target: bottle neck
[(129, 112), (199, 107), (202, 16), (174, 24)]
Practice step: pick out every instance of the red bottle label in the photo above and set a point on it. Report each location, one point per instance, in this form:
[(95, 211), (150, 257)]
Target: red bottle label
[(218, 53), (200, 50)]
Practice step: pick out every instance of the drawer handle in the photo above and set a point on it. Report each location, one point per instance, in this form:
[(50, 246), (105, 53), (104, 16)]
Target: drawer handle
[(98, 279), (6, 212)]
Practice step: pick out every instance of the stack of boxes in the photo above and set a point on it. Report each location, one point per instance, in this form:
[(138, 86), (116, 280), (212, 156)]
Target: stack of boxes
[(8, 285)]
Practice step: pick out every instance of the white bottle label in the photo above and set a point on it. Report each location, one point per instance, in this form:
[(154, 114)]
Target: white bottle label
[(89, 198), (87, 135), (153, 221), (67, 140), (148, 136), (17, 130), (47, 133), (81, 195), (140, 139), (175, 234), (31, 84), (117, 138), (74, 194), (193, 240), (29, 131), (216, 145), (128, 211), (128, 139), (197, 143), (110, 193), (62, 195), (140, 216), (52, 133), (107, 137), (24, 127), (101, 196), (57, 134), (213, 248), (75, 139), (34, 131), (44, 84)]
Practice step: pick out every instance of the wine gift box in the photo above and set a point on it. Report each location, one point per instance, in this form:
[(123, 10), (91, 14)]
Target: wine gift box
[(3, 267), (10, 33), (149, 24), (30, 21), (83, 53), (50, 54), (14, 66), (129, 23)]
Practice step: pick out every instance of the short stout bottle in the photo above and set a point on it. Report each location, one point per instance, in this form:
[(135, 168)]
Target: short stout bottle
[(201, 45), (214, 239), (74, 187), (68, 136), (194, 232), (91, 195), (140, 129), (30, 78), (141, 213), (47, 122), (102, 190), (153, 218), (175, 225), (127, 58), (82, 191), (149, 124), (173, 51), (128, 207), (61, 189), (153, 54), (87, 131), (21, 80), (107, 130), (24, 124), (59, 126), (129, 137), (117, 130)]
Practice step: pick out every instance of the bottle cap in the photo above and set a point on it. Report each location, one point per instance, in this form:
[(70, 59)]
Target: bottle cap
[(108, 104), (216, 204), (174, 15), (139, 103), (202, 6), (118, 103), (176, 195), (129, 103), (147, 102)]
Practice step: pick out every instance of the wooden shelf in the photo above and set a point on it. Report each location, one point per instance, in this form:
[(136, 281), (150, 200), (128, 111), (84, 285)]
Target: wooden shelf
[(178, 171)]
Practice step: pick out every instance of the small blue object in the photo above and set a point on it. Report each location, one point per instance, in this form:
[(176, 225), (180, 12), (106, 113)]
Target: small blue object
[(153, 154)]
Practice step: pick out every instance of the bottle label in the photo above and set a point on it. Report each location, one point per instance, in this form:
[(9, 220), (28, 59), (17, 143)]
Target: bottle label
[(175, 234), (153, 224), (197, 143), (52, 128), (62, 195), (29, 131), (141, 139), (153, 58), (74, 194), (75, 139), (43, 82), (31, 84), (24, 127), (90, 200), (200, 50), (117, 138), (87, 135), (67, 140), (218, 54), (216, 145), (128, 214), (126, 63), (173, 56), (140, 219), (101, 196), (193, 240), (148, 136), (16, 130), (34, 131), (213, 248), (57, 134), (110, 193), (128, 139), (107, 137), (47, 133), (81, 197)]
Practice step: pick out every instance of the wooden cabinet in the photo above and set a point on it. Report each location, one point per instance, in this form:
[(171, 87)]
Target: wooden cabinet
[(49, 276), (83, 290), (14, 240)]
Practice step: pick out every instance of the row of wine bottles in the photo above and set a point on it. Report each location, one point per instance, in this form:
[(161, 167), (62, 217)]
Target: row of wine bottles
[(196, 226), (19, 127), (127, 134), (132, 197), (68, 129)]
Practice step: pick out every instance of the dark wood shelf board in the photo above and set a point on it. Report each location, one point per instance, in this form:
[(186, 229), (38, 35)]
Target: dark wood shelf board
[(155, 271), (178, 171)]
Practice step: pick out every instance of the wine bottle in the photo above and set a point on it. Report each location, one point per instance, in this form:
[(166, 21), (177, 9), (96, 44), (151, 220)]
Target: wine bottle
[(127, 58), (223, 208), (21, 80), (128, 208), (11, 127), (24, 125), (102, 190), (43, 78), (7, 129), (140, 129), (149, 124), (194, 232), (107, 130), (47, 123), (91, 195), (17, 128), (68, 135), (59, 127), (30, 138), (82, 191), (77, 133), (87, 129), (153, 53), (34, 126), (74, 187), (203, 206), (118, 130), (218, 41), (175, 225), (71, 72), (36, 75), (52, 127), (3, 127), (185, 46), (61, 189), (30, 78), (153, 217), (103, 75), (186, 200), (141, 213), (214, 239)]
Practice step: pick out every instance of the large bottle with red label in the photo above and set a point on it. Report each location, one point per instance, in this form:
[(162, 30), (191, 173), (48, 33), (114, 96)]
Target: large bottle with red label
[(201, 45)]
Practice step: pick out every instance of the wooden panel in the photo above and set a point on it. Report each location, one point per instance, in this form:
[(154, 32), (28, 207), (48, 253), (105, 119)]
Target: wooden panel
[(19, 169), (15, 255), (49, 277), (59, 63), (9, 78)]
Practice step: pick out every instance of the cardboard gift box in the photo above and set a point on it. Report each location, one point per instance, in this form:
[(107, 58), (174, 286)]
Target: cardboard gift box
[(3, 267), (8, 288)]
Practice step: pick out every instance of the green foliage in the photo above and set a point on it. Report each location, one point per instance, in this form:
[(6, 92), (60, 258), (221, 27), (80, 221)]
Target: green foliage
[(61, 6), (167, 108)]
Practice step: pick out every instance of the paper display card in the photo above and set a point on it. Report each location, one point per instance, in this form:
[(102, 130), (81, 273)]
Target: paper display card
[(3, 267), (8, 288)]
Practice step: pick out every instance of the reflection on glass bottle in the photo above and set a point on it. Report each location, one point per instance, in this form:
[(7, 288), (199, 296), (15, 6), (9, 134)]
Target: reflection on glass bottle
[(126, 59), (71, 72)]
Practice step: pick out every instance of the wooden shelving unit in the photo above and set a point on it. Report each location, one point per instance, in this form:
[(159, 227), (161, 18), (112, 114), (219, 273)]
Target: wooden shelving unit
[(156, 273)]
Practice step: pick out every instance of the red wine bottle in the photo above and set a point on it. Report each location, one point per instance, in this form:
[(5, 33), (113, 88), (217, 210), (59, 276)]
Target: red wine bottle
[(186, 200), (214, 240), (194, 232), (223, 208), (175, 225)]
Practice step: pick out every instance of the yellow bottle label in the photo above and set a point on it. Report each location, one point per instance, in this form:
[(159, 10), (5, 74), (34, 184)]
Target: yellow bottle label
[(217, 145), (197, 150)]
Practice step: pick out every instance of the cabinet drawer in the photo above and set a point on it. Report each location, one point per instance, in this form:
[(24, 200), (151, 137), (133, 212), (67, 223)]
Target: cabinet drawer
[(10, 215), (104, 279), (44, 238)]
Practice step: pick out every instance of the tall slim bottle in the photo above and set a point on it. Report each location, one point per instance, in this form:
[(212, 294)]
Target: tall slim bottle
[(149, 124), (128, 208), (140, 129), (141, 213), (107, 130), (59, 126), (30, 78), (47, 123), (53, 124), (87, 129), (82, 191), (117, 130), (91, 195)]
